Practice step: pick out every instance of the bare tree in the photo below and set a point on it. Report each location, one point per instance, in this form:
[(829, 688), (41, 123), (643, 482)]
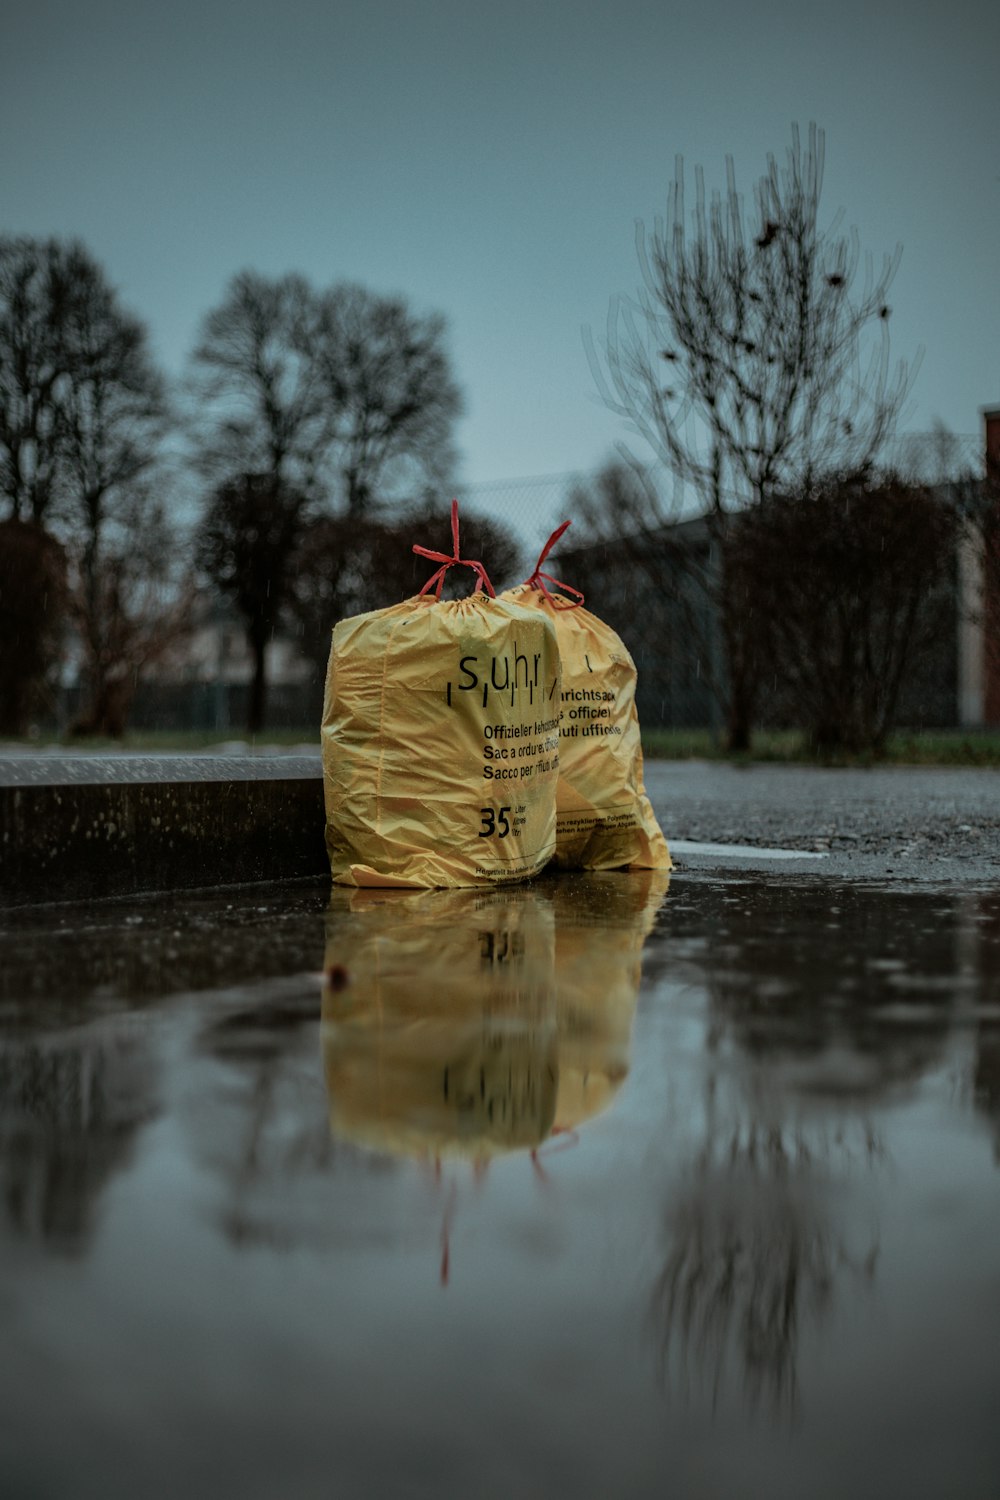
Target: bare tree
[(753, 361), (387, 382), (36, 288), (245, 544), (114, 418), (260, 407), (83, 414), (133, 611), (29, 372), (309, 398), (339, 389)]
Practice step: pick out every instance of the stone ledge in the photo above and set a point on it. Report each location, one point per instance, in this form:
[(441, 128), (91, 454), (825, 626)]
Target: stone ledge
[(47, 769), (77, 827)]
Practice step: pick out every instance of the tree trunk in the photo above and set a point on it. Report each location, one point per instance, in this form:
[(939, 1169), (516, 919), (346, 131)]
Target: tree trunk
[(93, 717), (258, 685), (742, 655), (358, 494), (106, 715), (739, 732)]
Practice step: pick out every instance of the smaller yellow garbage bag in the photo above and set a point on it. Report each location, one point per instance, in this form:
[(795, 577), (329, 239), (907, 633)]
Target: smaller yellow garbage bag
[(602, 921), (604, 820), (440, 739)]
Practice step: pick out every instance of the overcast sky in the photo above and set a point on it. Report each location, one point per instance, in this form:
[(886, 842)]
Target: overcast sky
[(490, 161)]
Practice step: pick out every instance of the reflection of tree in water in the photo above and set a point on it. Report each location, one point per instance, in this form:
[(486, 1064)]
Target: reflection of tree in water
[(754, 1254), (254, 1131), (70, 1110), (986, 1082), (804, 1040), (986, 1069), (816, 982)]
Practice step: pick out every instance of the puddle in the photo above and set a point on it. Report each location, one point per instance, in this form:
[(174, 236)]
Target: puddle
[(593, 1187)]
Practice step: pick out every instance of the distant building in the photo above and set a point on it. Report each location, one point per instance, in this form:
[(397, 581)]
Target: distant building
[(674, 632)]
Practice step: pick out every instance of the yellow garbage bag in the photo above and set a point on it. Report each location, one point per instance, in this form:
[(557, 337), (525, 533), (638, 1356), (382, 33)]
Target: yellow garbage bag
[(604, 820), (440, 739), (439, 1021)]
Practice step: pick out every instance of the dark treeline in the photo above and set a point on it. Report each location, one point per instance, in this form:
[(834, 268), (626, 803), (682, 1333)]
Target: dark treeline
[(316, 427)]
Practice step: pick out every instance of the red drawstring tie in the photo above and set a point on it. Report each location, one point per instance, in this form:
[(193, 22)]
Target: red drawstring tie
[(436, 580), (540, 580)]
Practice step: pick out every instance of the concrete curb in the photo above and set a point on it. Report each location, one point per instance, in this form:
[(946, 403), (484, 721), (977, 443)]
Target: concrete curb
[(76, 828)]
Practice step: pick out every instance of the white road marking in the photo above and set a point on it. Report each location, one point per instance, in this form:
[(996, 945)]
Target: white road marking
[(741, 851)]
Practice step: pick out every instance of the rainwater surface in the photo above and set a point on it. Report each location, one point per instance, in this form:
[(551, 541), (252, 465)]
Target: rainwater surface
[(594, 1187)]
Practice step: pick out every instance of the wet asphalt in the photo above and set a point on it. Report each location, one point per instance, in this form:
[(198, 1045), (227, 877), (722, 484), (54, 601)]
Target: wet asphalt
[(891, 824)]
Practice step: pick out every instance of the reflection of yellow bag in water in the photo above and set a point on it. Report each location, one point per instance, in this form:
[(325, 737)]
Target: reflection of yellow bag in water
[(440, 741), (439, 1020), (604, 819), (475, 1022), (601, 923)]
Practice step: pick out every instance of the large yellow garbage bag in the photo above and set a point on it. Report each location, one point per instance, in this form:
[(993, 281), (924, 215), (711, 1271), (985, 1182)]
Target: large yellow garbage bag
[(440, 740), (604, 819), (439, 1021)]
